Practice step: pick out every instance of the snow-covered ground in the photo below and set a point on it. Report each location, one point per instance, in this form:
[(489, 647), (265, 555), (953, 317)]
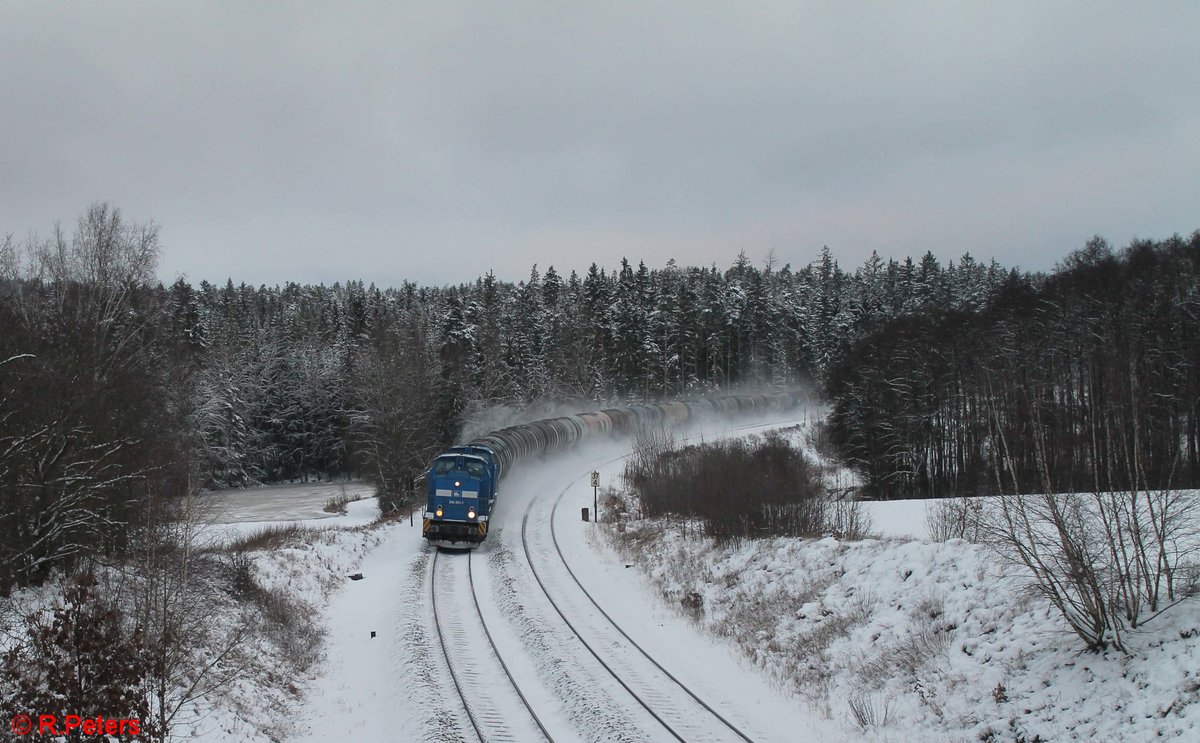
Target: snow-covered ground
[(895, 638), (940, 641), (898, 519), (395, 686), (306, 574), (246, 631)]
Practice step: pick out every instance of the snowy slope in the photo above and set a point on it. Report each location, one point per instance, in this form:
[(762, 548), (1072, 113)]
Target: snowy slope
[(942, 640)]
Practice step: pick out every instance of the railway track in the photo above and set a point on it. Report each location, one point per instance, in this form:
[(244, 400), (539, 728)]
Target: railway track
[(489, 705), (680, 711)]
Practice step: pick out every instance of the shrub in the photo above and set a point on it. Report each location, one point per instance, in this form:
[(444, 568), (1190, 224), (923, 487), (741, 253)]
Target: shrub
[(337, 504), (954, 518), (737, 489), (269, 537), (869, 713), (82, 659), (289, 622), (847, 519), (1108, 562)]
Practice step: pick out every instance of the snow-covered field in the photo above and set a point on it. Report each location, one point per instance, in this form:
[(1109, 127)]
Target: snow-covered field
[(243, 511), (895, 638)]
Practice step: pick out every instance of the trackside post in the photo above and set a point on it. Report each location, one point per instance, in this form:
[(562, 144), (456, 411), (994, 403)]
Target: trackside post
[(596, 495)]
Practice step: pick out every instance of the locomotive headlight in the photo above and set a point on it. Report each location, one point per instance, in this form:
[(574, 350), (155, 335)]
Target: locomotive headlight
[(471, 513), (457, 484), (438, 512)]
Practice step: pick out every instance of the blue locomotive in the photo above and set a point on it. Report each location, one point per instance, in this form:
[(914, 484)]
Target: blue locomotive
[(461, 492), (462, 481)]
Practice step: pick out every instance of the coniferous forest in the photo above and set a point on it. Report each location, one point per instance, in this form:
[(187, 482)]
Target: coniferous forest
[(119, 393)]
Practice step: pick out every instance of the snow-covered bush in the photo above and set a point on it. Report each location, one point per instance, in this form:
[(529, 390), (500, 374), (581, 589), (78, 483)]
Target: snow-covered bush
[(80, 656), (739, 489), (1107, 561), (953, 518)]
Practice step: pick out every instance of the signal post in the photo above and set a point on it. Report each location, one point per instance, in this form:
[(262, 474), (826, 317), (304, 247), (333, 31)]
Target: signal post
[(596, 495)]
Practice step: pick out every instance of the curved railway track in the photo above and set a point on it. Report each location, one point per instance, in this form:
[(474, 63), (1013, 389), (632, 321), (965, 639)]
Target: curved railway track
[(489, 711), (652, 685)]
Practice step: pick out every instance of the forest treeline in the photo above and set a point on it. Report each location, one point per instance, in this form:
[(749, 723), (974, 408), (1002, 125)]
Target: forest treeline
[(297, 381), (1087, 380), (118, 393)]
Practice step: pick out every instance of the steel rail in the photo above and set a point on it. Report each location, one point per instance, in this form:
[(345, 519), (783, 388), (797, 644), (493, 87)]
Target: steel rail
[(437, 622), (496, 652), (554, 537)]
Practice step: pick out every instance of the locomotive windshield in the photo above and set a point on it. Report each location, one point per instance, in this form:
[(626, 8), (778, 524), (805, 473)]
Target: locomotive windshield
[(473, 467)]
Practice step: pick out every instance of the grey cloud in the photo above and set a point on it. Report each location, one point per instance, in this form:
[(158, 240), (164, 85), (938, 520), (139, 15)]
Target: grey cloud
[(435, 140)]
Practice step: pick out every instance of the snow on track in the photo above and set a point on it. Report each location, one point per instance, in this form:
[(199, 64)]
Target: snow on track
[(729, 704), (494, 715), (546, 660), (680, 712)]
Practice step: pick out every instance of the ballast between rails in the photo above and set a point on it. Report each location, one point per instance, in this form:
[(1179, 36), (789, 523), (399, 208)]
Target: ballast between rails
[(463, 481), (480, 704)]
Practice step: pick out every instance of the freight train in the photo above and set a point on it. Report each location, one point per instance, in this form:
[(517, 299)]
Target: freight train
[(462, 481)]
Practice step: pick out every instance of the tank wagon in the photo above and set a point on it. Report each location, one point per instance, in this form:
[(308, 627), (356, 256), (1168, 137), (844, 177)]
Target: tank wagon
[(462, 481)]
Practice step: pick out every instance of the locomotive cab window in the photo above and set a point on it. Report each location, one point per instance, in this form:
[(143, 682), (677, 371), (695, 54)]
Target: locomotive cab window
[(475, 469), (442, 466)]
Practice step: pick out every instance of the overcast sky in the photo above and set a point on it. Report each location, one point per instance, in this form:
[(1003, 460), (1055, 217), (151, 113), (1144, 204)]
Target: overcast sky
[(435, 140)]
